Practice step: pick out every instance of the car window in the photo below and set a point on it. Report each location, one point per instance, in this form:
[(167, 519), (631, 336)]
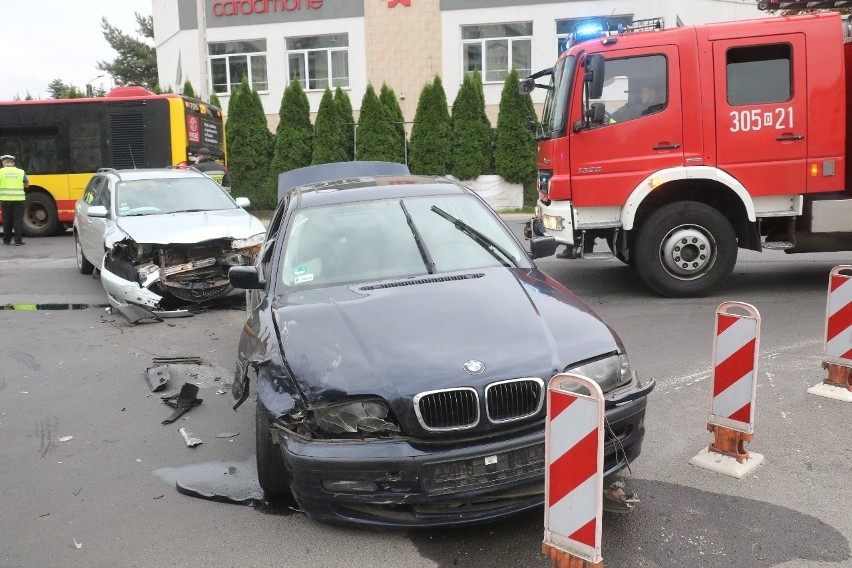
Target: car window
[(367, 241), (103, 196), (170, 195), (93, 188)]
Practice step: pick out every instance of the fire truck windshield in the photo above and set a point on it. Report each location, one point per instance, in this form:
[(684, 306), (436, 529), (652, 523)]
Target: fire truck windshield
[(555, 111)]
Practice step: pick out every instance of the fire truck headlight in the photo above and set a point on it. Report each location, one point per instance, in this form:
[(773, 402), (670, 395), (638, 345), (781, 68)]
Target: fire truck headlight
[(552, 222)]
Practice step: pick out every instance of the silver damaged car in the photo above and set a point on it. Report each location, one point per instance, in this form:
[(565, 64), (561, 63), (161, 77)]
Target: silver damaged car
[(163, 238)]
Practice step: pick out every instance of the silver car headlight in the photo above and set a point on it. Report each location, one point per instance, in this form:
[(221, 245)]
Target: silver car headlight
[(609, 372), (252, 241)]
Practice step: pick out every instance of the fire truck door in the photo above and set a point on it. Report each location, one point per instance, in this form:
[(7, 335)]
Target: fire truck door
[(761, 112), (643, 132)]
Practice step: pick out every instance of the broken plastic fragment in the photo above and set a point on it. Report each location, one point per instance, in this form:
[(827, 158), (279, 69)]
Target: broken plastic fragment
[(182, 401), (227, 434), (189, 438), (78, 544), (66, 438), (158, 377), (617, 499)]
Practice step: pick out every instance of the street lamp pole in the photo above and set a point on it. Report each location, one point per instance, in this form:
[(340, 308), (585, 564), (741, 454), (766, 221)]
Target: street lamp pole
[(90, 92)]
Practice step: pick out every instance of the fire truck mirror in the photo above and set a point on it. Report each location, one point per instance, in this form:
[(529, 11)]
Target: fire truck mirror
[(594, 77), (596, 113), (526, 86)]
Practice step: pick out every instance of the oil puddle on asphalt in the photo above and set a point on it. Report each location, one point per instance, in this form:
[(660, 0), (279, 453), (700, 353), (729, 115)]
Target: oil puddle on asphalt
[(224, 482), (49, 307)]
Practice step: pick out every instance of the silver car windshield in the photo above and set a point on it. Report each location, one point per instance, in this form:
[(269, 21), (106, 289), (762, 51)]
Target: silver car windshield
[(368, 241), (170, 195)]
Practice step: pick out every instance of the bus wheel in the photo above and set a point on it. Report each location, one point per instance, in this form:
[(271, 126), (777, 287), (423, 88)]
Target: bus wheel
[(40, 216), (685, 249)]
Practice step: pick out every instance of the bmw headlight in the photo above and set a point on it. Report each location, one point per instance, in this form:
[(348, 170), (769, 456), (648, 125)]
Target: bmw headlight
[(354, 417), (610, 372), (253, 241)]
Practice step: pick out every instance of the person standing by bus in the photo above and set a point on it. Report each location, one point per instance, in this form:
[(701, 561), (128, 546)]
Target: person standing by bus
[(13, 181), (207, 164)]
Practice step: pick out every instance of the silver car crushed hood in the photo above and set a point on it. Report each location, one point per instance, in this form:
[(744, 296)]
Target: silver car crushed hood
[(183, 228)]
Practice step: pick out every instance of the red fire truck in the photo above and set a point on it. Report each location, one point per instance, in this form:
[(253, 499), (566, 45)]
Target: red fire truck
[(677, 147)]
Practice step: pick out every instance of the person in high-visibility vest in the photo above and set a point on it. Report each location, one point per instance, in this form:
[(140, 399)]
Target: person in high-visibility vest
[(13, 181)]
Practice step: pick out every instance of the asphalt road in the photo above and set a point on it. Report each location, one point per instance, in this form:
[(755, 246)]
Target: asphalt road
[(85, 460)]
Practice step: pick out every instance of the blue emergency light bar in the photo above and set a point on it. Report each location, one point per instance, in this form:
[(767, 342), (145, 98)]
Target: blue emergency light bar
[(588, 29), (593, 28)]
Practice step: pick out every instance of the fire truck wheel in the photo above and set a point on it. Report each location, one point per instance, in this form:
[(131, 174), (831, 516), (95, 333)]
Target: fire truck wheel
[(685, 249), (40, 216)]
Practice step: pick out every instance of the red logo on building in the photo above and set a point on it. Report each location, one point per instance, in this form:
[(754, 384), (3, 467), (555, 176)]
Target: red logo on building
[(392, 3)]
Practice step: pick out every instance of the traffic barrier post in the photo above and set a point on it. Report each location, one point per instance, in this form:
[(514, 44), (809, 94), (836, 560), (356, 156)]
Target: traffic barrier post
[(735, 352), (837, 358), (573, 476)]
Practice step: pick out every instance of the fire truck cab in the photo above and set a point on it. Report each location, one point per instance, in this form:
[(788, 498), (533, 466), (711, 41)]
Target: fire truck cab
[(678, 146)]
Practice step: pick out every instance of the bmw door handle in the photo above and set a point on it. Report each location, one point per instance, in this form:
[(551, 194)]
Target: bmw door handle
[(666, 146), (790, 137)]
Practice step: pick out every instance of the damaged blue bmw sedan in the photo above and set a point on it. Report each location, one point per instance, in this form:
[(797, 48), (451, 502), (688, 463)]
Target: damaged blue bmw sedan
[(400, 340)]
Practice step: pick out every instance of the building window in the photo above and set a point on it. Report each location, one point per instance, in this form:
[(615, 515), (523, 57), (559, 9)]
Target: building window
[(231, 61), (565, 27), (760, 74), (318, 62), (494, 49)]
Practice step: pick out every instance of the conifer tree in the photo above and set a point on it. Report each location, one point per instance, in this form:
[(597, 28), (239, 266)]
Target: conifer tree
[(214, 100), (188, 90), (294, 135), (388, 99), (347, 122), (514, 147), (430, 135), (328, 132), (233, 103), (249, 149), (377, 137), (472, 138)]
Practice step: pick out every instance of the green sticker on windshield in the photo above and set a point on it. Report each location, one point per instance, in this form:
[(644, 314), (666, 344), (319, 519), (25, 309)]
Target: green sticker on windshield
[(300, 269)]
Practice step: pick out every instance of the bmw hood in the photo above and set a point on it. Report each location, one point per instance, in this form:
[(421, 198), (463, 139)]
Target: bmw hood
[(406, 337), (195, 227)]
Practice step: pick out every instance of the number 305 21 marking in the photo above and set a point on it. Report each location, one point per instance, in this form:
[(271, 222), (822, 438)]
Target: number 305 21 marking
[(754, 120)]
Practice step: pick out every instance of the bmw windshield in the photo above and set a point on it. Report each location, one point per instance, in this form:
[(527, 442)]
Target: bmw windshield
[(395, 238)]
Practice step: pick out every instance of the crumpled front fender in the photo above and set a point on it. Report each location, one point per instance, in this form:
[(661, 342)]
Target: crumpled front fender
[(258, 351), (128, 291)]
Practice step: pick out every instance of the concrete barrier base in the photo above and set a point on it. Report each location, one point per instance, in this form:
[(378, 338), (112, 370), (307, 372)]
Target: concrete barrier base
[(726, 465), (831, 391)]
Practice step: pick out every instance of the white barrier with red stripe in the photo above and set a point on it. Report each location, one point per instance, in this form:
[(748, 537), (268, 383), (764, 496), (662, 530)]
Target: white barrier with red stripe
[(573, 481), (837, 358), (735, 354), (838, 317)]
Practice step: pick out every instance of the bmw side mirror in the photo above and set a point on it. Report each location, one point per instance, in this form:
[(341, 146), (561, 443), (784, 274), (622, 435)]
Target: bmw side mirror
[(246, 277)]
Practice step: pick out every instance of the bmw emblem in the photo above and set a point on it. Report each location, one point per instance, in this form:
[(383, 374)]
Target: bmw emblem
[(474, 367)]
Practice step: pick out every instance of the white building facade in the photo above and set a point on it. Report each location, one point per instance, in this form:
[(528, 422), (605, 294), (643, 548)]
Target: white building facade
[(401, 43)]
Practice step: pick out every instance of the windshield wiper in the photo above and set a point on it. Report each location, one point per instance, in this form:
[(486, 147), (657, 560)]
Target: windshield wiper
[(424, 252), (478, 237), (188, 211)]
